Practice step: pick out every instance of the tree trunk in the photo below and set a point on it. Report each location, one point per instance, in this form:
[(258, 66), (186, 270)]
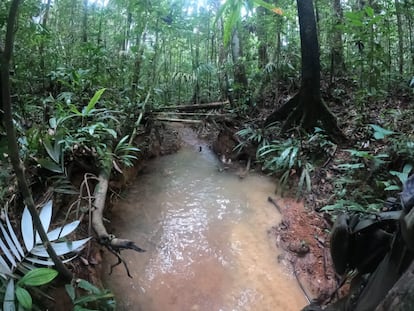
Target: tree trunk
[(13, 148), (1, 90), (42, 43), (240, 78), (400, 38), (262, 38), (306, 108), (337, 56), (85, 22), (137, 64)]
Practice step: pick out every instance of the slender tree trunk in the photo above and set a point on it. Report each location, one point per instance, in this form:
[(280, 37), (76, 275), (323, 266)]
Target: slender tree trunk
[(400, 38), (85, 22), (223, 75), (262, 38), (42, 44), (196, 72), (125, 41), (137, 64), (240, 78), (306, 108), (17, 164), (337, 50)]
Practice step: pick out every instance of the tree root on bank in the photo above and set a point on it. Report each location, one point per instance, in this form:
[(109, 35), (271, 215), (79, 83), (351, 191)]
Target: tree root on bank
[(305, 109), (111, 242)]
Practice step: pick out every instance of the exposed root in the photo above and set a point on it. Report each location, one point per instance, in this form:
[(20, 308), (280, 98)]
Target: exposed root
[(307, 110), (113, 244)]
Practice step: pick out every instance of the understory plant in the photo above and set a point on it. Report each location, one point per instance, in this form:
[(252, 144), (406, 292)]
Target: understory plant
[(292, 157), (19, 261), (94, 297), (365, 176)]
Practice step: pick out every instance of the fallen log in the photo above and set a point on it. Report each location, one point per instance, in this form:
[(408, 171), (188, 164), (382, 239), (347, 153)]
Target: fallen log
[(193, 107), (179, 120), (201, 114)]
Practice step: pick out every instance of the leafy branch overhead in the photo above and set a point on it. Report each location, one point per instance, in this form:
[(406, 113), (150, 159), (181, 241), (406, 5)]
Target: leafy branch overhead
[(234, 10)]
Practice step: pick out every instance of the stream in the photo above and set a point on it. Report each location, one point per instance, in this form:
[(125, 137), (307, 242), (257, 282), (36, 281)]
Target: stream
[(206, 236)]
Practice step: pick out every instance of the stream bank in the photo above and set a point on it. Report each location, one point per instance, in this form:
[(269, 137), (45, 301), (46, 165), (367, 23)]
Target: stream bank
[(207, 235)]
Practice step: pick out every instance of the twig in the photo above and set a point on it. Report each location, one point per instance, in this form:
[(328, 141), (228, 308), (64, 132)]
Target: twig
[(271, 200), (300, 283)]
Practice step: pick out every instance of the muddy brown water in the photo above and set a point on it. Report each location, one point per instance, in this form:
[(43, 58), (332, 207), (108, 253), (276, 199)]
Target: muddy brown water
[(207, 241)]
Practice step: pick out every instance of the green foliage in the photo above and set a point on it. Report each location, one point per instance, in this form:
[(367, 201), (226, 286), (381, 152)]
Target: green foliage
[(95, 298), (379, 132), (17, 262), (35, 277), (234, 8)]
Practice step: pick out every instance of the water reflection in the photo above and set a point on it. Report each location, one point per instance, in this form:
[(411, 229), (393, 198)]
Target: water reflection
[(205, 232)]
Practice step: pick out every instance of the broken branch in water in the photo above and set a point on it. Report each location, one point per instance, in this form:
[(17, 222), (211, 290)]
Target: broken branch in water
[(271, 200), (116, 245)]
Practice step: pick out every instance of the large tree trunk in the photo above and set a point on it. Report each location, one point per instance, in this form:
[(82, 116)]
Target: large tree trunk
[(306, 108)]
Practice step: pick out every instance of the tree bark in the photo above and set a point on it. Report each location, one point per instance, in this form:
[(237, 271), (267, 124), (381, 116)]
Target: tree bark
[(12, 140), (400, 38), (337, 53), (306, 109), (240, 78)]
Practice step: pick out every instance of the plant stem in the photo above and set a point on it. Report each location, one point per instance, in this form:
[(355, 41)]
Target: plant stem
[(12, 141)]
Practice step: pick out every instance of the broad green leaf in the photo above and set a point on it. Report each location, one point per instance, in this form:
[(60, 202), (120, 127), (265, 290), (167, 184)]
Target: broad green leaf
[(379, 132), (52, 151), (27, 229), (88, 287), (37, 277), (91, 105), (369, 11), (75, 110), (71, 291), (392, 188), (53, 123), (23, 297), (293, 157), (50, 165), (91, 298), (8, 303)]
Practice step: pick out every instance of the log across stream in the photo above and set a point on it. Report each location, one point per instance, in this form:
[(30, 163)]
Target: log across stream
[(207, 241)]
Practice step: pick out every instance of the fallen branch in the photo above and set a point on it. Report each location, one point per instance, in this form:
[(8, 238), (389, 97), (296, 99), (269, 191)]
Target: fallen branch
[(193, 107), (179, 120), (198, 114), (271, 200), (110, 241)]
